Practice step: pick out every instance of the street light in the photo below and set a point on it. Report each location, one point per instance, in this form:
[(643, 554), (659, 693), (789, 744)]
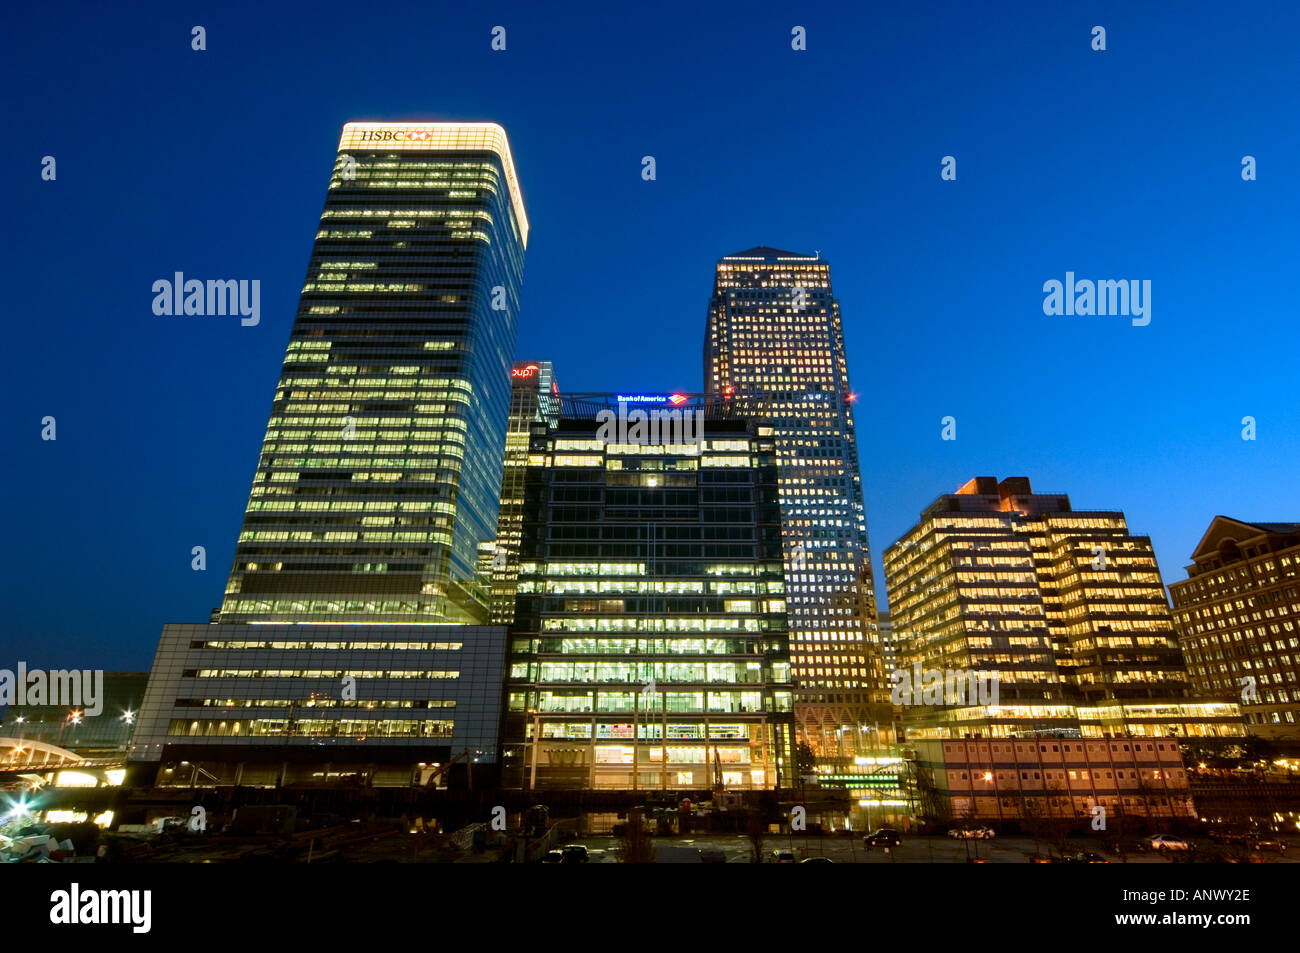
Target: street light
[(128, 719), (537, 729)]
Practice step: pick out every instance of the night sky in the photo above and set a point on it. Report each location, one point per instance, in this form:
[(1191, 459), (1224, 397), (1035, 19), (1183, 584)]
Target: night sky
[(1117, 164)]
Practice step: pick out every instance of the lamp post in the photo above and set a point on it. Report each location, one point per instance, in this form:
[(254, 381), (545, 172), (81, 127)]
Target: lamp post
[(537, 730), (128, 720), (74, 716)]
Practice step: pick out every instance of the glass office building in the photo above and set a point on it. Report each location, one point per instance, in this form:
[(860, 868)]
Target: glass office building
[(775, 338), (649, 646), (274, 705), (349, 648), (379, 476), (534, 398)]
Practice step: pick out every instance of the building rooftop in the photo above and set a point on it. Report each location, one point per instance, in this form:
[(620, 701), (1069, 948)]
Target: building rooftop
[(768, 253)]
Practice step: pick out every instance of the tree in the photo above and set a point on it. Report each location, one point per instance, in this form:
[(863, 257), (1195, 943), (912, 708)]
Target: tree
[(1256, 749), (805, 759), (1031, 818), (634, 846), (1059, 828), (756, 831)]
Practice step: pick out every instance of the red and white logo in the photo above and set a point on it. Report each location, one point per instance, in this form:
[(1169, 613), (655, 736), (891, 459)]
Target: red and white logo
[(419, 135)]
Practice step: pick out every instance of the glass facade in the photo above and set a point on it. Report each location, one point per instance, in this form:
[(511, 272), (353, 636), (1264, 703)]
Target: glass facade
[(379, 476), (74, 729), (534, 398), (298, 703), (774, 344), (649, 647)]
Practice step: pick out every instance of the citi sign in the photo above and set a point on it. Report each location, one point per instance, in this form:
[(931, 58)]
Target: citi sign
[(396, 135)]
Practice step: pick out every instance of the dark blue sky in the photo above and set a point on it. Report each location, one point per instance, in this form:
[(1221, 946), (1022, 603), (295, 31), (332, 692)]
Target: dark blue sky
[(1122, 164)]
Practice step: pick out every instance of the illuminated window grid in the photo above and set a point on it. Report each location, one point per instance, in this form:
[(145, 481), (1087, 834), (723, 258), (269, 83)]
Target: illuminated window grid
[(336, 369), (580, 674), (1011, 583), (758, 341)]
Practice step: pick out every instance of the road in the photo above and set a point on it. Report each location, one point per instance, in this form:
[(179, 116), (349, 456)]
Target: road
[(915, 849)]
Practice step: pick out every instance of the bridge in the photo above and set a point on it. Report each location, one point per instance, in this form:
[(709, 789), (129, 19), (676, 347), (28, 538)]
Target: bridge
[(28, 760)]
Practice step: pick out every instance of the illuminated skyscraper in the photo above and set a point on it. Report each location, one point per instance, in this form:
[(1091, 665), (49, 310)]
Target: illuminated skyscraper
[(1067, 608), (648, 648), (377, 485), (379, 476), (534, 399), (775, 340)]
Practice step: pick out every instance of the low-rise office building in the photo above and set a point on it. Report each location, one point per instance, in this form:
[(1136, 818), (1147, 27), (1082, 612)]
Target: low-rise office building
[(1053, 778), (1238, 617), (274, 705)]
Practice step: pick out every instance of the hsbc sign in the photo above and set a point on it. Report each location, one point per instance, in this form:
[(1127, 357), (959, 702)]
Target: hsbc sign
[(396, 135)]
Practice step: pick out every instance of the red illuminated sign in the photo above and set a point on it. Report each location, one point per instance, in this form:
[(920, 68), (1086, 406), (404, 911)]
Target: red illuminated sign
[(528, 371)]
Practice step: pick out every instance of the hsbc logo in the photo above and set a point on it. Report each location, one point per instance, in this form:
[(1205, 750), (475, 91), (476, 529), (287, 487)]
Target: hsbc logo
[(396, 135)]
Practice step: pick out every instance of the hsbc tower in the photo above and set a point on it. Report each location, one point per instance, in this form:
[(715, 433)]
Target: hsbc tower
[(380, 473)]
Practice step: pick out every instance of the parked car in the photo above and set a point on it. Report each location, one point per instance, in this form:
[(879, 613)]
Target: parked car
[(1227, 837), (574, 854), (1274, 846), (971, 833), (553, 857), (782, 855), (885, 837), (1085, 857), (1165, 842), (677, 854)]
